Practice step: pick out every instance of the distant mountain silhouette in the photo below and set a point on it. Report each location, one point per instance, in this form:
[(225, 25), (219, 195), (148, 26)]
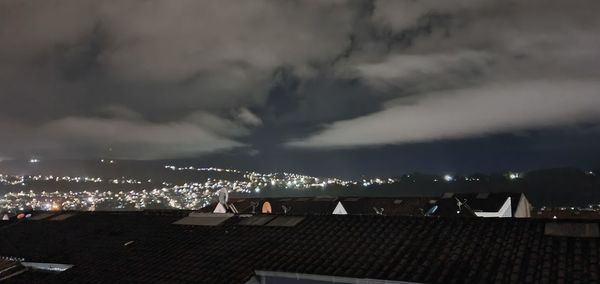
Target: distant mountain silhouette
[(547, 187)]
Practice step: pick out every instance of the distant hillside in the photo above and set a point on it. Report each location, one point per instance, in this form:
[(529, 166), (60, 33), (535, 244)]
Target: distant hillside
[(142, 170), (547, 187)]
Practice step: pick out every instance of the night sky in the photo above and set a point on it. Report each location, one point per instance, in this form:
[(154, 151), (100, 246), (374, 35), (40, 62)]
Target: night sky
[(321, 87)]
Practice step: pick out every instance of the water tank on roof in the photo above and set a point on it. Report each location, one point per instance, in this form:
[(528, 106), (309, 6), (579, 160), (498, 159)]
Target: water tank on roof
[(266, 208), (223, 196)]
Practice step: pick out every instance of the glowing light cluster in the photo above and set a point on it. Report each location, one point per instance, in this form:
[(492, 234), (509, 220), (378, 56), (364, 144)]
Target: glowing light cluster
[(130, 193)]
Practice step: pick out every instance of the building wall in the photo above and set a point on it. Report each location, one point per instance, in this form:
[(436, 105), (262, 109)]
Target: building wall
[(523, 208), (504, 212)]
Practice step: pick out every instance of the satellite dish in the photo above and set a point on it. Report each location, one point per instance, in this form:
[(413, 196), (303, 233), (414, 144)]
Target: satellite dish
[(223, 195), (286, 209), (5, 217), (378, 211)]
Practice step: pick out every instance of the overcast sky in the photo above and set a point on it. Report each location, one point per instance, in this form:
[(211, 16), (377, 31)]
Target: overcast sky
[(293, 83)]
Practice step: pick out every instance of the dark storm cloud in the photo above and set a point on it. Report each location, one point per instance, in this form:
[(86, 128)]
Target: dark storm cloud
[(162, 79)]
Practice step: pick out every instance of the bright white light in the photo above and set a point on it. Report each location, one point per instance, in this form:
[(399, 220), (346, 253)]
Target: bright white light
[(257, 189), (33, 161), (448, 178), (513, 175)]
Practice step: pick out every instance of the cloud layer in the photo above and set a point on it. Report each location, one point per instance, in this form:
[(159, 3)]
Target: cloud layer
[(493, 68), (155, 79), (160, 79), (467, 113)]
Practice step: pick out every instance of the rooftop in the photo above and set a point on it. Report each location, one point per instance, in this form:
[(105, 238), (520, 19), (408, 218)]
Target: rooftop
[(325, 205), (146, 246)]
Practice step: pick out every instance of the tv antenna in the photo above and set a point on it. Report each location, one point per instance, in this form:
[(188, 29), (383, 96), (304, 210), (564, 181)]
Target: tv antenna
[(463, 206), (460, 204), (378, 211), (254, 204)]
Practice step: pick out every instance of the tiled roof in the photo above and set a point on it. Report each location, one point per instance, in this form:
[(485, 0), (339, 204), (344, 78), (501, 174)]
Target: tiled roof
[(10, 268), (397, 206), (566, 214), (488, 202), (415, 249)]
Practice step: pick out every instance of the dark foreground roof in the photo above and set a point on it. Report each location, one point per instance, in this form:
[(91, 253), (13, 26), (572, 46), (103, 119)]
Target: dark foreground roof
[(145, 247), (566, 213)]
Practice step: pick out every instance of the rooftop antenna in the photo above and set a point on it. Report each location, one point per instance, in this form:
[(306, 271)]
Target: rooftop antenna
[(459, 203), (378, 211), (254, 204), (462, 205), (233, 208)]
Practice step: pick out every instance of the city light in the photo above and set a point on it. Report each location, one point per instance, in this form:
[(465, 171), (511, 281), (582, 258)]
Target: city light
[(148, 193), (137, 194)]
